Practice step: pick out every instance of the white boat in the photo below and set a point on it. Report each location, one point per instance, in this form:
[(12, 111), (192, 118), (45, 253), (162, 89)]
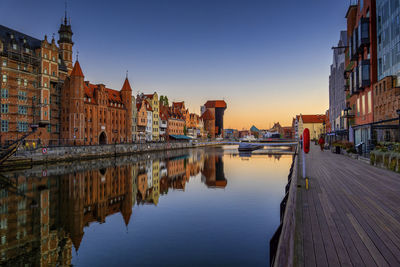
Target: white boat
[(248, 138)]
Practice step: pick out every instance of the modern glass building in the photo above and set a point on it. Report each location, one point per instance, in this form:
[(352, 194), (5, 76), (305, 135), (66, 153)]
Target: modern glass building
[(388, 35)]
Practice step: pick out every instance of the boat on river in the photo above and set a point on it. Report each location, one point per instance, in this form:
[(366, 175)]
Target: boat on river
[(249, 146)]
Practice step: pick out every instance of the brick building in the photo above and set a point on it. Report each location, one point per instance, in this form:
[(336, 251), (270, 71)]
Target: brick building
[(361, 68), (212, 113), (93, 114), (32, 72)]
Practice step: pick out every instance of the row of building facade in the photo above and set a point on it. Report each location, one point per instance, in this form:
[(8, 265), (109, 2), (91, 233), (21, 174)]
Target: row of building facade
[(364, 84), (43, 89)]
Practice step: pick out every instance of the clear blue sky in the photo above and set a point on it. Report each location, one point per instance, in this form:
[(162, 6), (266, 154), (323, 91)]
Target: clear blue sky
[(268, 59)]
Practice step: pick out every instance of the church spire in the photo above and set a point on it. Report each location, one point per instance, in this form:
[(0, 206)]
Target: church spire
[(65, 32), (65, 17)]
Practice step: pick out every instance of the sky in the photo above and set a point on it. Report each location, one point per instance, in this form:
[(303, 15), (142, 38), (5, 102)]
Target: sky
[(269, 60)]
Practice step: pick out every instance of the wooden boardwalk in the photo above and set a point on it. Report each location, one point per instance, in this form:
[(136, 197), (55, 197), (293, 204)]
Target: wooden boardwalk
[(350, 216)]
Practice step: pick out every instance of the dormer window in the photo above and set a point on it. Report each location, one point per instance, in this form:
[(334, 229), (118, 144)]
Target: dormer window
[(14, 46)]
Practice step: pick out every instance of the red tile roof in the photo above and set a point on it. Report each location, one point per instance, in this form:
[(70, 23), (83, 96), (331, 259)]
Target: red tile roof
[(313, 118), (178, 104), (77, 71), (215, 104), (148, 106), (114, 95)]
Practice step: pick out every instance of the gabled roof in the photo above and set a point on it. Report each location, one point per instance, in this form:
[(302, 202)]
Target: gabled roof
[(77, 71), (148, 106), (178, 104)]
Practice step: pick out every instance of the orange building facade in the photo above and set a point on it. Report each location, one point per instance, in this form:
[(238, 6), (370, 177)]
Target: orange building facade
[(92, 114)]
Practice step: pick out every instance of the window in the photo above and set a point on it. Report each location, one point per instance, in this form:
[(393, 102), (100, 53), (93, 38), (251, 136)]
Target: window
[(358, 106), (19, 81), (22, 126), (49, 128), (4, 126), (25, 82), (363, 104), (4, 108), (4, 62), (45, 85), (27, 50), (25, 67), (4, 78), (369, 102), (22, 95), (14, 46), (22, 110), (45, 71), (4, 93)]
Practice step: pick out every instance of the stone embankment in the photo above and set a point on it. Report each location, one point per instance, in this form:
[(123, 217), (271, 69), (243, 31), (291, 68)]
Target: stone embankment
[(71, 153), (77, 166)]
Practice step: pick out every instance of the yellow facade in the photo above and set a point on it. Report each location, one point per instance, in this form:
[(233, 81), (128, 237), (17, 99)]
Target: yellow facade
[(316, 129), (155, 105)]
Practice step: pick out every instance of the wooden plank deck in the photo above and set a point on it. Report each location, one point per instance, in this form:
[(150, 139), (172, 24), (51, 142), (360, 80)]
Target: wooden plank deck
[(350, 216)]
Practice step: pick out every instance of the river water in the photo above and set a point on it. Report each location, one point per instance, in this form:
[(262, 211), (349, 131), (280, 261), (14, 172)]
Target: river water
[(198, 207)]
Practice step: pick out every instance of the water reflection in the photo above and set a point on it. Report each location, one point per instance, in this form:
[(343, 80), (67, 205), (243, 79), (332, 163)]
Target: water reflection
[(44, 211), (42, 217)]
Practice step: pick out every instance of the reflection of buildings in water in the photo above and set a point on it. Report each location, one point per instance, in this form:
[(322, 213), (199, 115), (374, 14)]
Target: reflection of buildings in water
[(92, 196), (29, 220), (275, 156), (44, 234), (213, 171)]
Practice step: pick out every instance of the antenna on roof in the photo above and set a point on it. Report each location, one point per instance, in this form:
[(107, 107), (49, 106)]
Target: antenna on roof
[(127, 74), (77, 55)]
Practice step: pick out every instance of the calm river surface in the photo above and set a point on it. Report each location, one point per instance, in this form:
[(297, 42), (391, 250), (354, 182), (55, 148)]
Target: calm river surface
[(199, 207)]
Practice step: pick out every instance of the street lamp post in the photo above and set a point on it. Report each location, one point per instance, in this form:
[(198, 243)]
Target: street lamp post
[(398, 113)]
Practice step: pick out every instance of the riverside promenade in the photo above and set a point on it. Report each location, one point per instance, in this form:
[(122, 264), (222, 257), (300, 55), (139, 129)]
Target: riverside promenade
[(349, 216)]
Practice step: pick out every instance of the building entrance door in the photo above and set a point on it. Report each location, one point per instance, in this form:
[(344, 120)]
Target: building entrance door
[(102, 138)]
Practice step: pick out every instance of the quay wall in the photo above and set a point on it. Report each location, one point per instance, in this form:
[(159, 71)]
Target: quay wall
[(285, 252), (71, 153)]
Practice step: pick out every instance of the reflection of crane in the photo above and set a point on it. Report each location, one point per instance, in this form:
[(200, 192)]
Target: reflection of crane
[(8, 151)]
